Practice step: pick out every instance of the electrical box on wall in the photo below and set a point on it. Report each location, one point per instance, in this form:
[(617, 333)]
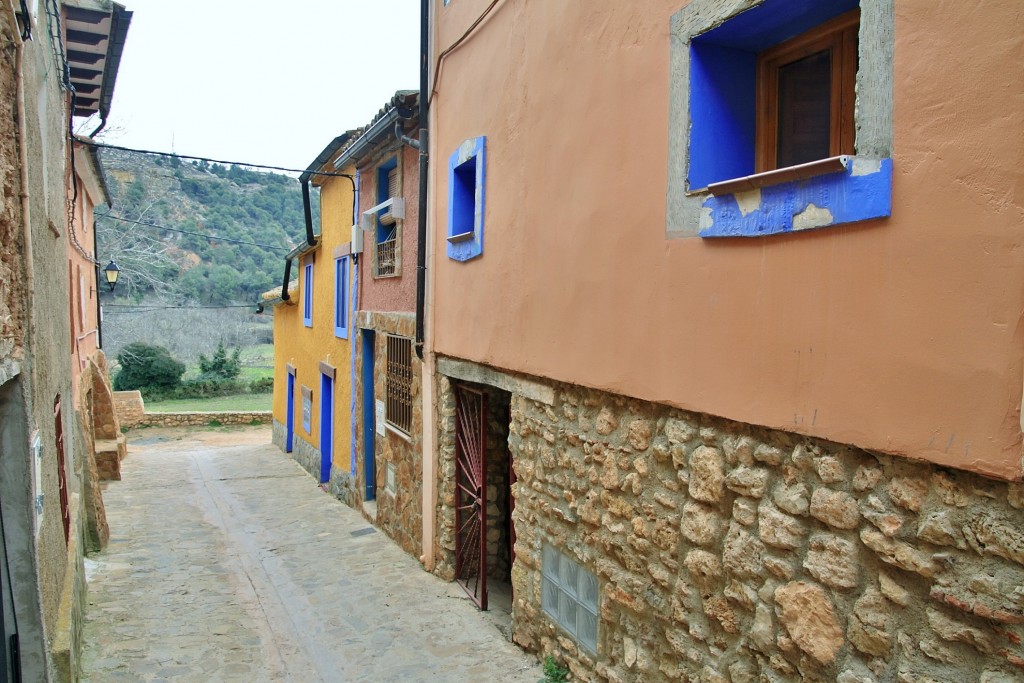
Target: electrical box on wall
[(357, 239)]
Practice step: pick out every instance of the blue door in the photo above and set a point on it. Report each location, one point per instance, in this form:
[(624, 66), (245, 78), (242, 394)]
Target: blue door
[(289, 419), (326, 426), (369, 417)]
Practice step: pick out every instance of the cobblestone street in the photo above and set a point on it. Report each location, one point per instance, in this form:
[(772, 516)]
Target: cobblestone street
[(227, 563)]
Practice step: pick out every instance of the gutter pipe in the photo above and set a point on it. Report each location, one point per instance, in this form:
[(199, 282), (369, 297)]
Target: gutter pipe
[(23, 194), (310, 237), (422, 146)]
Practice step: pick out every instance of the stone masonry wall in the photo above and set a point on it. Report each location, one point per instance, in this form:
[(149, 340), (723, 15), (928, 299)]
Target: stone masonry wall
[(498, 492), (129, 407), (399, 513), (727, 553), (202, 419)]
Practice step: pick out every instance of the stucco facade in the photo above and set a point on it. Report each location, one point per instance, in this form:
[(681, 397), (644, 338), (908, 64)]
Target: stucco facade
[(313, 355), (48, 357), (897, 335), (769, 456)]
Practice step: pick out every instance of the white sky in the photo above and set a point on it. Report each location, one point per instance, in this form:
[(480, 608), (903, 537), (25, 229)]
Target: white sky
[(259, 80)]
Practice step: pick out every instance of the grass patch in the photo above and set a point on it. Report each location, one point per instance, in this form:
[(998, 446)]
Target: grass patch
[(237, 402)]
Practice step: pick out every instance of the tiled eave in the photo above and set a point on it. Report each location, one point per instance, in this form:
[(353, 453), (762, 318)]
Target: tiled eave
[(95, 40)]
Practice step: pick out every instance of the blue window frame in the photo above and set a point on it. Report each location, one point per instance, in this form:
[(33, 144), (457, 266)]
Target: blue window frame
[(307, 294), (713, 122), (341, 297), (466, 179)]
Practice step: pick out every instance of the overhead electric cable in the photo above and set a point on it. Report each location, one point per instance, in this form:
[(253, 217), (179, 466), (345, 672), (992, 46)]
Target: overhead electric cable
[(149, 309), (103, 145), (218, 238)]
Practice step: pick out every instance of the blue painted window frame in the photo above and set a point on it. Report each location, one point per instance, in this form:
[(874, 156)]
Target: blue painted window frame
[(719, 132), (341, 286), (307, 294), (385, 168), (467, 175)]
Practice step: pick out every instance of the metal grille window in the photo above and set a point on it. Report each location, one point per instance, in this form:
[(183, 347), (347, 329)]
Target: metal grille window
[(399, 383), (570, 596)]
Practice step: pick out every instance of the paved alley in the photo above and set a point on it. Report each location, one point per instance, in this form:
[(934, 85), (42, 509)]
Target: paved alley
[(227, 563)]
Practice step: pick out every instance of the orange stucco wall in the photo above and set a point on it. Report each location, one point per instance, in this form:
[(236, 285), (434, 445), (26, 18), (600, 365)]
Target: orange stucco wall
[(902, 335), (305, 347), (82, 287)]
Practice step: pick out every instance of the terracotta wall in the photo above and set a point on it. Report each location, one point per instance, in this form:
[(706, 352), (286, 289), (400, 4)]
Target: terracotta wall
[(396, 294), (901, 335)]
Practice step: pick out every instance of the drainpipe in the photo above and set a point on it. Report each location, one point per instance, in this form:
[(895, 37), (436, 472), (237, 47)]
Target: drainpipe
[(287, 277), (23, 160), (99, 274), (421, 232), (310, 238)]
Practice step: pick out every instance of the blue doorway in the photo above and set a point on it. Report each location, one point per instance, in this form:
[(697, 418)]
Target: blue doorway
[(289, 419), (369, 415), (326, 426)]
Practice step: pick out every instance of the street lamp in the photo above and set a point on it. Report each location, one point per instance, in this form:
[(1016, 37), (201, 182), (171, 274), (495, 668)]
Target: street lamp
[(111, 272)]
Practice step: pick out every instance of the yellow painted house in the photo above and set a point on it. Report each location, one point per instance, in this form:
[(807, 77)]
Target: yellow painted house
[(313, 330)]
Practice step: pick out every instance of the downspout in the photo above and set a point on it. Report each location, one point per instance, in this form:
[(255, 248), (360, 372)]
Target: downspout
[(99, 274), (23, 160), (287, 277), (354, 297), (310, 237), (421, 232)]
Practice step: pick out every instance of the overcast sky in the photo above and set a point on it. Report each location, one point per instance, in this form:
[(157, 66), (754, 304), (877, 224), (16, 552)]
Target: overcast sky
[(258, 80)]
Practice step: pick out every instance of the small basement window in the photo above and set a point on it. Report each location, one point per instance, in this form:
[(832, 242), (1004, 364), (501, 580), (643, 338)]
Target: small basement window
[(570, 595), (466, 170)]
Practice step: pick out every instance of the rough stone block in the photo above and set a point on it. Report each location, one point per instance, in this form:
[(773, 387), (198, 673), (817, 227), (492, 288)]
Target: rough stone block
[(833, 561), (748, 481), (809, 617), (836, 508), (778, 529), (707, 476)]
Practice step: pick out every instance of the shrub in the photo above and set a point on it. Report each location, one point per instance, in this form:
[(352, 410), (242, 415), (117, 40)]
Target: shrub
[(261, 385), (146, 366), (222, 366)]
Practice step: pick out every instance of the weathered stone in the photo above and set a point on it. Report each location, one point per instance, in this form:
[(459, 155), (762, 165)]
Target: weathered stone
[(742, 594), (748, 481), (679, 431), (661, 449), (893, 590), (1015, 495), (779, 529), (849, 676), (742, 672), (949, 491), (908, 492), (707, 478), (744, 511), (833, 561), (739, 449), (606, 422), (898, 554), (810, 619), (742, 552), (830, 469), (762, 630), (883, 519), (716, 607), (701, 525), (779, 567), (836, 508), (770, 455), (995, 536), (938, 528), (639, 434), (802, 457), (795, 499), (866, 478), (666, 532), (996, 603), (956, 631), (933, 649), (610, 474), (870, 626), (705, 569), (992, 676), (710, 675), (629, 652)]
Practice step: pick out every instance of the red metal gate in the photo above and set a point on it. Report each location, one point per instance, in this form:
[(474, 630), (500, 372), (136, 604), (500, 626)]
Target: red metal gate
[(471, 492)]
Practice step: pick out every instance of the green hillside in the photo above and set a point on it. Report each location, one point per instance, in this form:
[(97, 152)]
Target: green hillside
[(212, 219)]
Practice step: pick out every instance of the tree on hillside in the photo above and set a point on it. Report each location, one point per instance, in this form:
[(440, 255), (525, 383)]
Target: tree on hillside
[(222, 366)]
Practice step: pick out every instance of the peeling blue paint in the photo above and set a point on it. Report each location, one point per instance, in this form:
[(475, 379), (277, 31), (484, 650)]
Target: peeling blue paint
[(862, 192), (466, 178)]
